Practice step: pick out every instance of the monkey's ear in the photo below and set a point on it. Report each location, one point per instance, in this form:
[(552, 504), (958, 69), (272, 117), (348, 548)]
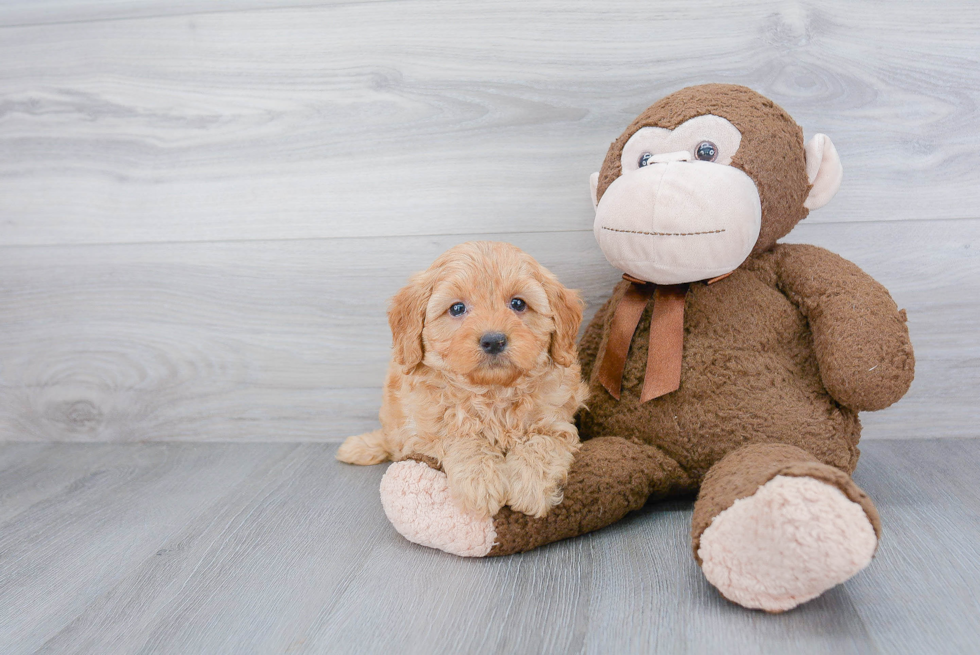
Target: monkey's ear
[(823, 169), (406, 317), (594, 183)]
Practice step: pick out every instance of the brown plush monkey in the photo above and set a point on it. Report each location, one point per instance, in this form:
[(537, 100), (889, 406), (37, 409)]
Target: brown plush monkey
[(724, 364)]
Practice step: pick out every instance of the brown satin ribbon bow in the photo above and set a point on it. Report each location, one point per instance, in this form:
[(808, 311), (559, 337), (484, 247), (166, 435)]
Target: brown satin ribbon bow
[(666, 345)]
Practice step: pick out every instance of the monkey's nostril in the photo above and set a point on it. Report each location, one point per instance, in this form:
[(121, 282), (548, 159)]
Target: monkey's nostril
[(493, 343)]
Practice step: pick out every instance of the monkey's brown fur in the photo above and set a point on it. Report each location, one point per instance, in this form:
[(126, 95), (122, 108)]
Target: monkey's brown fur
[(771, 152), (779, 357)]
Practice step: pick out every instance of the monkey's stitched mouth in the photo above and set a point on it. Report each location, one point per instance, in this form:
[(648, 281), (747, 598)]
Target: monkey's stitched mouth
[(663, 234)]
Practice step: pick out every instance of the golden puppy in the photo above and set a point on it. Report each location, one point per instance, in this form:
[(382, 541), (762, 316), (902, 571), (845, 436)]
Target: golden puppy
[(484, 378)]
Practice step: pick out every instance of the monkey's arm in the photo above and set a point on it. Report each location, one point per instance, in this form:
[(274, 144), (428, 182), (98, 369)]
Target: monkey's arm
[(859, 335)]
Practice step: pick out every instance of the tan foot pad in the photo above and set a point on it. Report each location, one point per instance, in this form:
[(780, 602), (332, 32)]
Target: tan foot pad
[(417, 501), (792, 540)]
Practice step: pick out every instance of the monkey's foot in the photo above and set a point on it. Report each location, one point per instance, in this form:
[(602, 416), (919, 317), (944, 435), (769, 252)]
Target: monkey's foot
[(416, 499), (792, 540)]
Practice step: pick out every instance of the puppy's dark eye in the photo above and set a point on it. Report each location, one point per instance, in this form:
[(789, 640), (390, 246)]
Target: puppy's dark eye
[(706, 151), (457, 309), (645, 159), (517, 304)]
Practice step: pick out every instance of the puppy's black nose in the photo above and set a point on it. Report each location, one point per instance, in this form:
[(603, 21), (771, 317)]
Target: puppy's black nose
[(493, 343)]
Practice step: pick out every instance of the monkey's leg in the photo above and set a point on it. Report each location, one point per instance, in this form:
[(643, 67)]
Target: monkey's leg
[(609, 478), (773, 527)]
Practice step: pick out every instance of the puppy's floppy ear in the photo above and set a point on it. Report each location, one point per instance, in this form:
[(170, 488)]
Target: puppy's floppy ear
[(406, 317), (566, 312)]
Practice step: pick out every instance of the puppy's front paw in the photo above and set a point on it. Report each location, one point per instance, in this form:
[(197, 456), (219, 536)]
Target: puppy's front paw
[(532, 493), (480, 492), (535, 479)]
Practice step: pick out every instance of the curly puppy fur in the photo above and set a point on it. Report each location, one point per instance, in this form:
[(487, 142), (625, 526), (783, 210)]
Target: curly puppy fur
[(500, 424)]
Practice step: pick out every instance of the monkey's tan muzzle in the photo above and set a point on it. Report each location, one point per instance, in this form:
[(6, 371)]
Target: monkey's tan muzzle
[(679, 221)]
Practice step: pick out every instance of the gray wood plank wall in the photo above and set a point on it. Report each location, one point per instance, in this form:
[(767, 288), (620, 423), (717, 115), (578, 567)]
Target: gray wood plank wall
[(202, 212)]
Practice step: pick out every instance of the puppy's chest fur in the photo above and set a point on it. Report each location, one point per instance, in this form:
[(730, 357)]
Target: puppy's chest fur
[(441, 409)]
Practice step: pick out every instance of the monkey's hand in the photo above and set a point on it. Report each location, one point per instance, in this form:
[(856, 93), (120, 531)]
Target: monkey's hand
[(859, 335)]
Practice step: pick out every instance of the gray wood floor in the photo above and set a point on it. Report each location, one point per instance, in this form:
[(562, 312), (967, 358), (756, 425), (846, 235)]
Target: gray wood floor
[(273, 548)]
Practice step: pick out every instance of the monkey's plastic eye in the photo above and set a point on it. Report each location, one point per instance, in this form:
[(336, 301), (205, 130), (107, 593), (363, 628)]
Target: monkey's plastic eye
[(457, 309), (517, 304), (645, 159), (706, 151)]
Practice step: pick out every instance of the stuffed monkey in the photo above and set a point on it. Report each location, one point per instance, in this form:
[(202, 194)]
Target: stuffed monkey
[(724, 364)]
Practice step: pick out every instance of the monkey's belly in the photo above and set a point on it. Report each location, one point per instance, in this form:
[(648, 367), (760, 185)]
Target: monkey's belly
[(749, 375)]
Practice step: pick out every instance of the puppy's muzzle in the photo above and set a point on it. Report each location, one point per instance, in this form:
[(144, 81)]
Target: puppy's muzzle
[(493, 343)]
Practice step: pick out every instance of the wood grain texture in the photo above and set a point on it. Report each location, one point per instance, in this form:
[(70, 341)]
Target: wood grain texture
[(203, 208), (424, 117), (15, 13), (220, 548), (288, 340)]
